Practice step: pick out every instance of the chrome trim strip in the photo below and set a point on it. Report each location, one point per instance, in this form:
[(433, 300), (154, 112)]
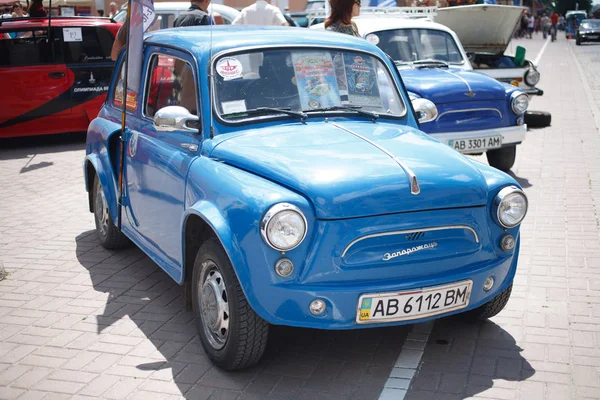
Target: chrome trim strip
[(470, 109), (412, 178), (438, 228), (461, 78)]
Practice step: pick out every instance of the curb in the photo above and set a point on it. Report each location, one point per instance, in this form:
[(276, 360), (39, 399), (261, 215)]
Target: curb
[(408, 363)]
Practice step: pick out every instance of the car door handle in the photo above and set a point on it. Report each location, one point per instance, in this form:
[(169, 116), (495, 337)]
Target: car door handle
[(189, 146), (56, 75)]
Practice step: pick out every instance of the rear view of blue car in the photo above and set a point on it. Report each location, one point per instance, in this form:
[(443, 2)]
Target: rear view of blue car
[(282, 180)]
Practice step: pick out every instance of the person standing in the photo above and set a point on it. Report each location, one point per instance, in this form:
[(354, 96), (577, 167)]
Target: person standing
[(113, 9), (546, 25), (36, 9), (530, 23), (554, 26), (261, 13), (340, 19), (17, 11), (197, 14)]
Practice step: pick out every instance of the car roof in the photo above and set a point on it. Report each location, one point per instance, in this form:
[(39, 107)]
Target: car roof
[(367, 23), (56, 22), (197, 39)]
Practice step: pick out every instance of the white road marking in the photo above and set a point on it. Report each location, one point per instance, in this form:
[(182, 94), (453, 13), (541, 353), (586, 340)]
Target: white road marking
[(536, 62), (408, 362)]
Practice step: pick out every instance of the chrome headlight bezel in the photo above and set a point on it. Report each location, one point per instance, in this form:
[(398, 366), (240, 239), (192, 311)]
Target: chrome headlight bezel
[(426, 108), (532, 77), (504, 195), (514, 98), (269, 217)]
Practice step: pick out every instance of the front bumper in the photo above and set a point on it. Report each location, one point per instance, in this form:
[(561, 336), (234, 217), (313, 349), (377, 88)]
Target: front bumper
[(342, 301), (533, 91), (510, 136)]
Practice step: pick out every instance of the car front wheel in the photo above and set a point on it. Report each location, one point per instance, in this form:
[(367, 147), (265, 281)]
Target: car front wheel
[(491, 308), (232, 334), (109, 235), (503, 158)]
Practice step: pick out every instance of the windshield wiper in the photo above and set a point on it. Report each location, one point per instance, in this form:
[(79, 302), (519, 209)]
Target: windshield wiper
[(429, 63), (267, 110), (356, 109)]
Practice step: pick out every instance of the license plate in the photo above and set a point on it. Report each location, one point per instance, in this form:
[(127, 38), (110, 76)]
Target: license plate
[(470, 145), (593, 37), (413, 304)]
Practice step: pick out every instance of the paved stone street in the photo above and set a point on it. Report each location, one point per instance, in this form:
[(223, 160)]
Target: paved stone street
[(77, 321), (546, 343)]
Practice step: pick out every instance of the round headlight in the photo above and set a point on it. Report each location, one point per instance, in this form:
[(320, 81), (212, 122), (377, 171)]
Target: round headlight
[(519, 102), (532, 77), (425, 109), (283, 227), (511, 206)]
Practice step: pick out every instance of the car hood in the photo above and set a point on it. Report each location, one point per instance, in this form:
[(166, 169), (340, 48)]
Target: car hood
[(347, 176), (450, 85), (482, 27)]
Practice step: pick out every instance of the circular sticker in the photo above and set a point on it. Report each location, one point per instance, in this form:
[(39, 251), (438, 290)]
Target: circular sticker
[(229, 68), (314, 103), (372, 38), (133, 141)]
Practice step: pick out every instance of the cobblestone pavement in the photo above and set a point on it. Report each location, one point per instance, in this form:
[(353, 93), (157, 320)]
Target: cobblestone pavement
[(546, 343), (77, 321)]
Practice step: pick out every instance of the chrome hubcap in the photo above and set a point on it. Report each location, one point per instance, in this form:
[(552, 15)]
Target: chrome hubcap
[(101, 208), (214, 306)]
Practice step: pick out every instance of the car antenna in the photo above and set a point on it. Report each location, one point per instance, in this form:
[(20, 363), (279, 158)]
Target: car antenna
[(123, 117), (210, 73)]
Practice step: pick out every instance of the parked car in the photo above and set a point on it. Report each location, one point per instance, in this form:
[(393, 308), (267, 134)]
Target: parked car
[(166, 12), (54, 79), (485, 31), (588, 31), (277, 192), (469, 111)]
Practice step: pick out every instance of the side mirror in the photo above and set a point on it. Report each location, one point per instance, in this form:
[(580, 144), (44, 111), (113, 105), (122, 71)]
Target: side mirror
[(425, 109), (175, 118)]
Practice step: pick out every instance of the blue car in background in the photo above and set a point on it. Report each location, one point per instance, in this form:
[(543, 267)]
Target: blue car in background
[(281, 178), (471, 112)]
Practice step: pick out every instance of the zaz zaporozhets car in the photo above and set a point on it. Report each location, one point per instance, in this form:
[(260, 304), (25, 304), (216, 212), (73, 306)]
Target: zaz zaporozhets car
[(281, 179)]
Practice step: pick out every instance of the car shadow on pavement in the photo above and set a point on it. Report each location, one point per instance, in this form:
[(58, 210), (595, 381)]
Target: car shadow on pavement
[(524, 182), (145, 309), (463, 359), (26, 147)]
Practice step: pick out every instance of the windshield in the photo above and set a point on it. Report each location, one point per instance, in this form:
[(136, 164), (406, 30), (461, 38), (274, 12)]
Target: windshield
[(300, 81), (408, 45), (594, 24)]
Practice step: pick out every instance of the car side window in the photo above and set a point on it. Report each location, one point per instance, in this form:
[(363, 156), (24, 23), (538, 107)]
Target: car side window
[(86, 44), (27, 48), (170, 82)]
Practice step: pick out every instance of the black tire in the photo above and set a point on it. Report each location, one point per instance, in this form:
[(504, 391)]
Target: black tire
[(245, 339), (503, 158), (491, 308), (537, 119), (108, 234)]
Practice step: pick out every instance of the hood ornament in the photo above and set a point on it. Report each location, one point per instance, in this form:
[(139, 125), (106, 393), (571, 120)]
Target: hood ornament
[(470, 94)]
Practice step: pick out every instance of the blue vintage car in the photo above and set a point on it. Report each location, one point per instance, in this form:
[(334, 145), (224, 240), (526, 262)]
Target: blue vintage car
[(279, 175), (469, 111)]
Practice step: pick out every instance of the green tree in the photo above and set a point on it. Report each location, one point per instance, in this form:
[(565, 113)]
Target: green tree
[(562, 6)]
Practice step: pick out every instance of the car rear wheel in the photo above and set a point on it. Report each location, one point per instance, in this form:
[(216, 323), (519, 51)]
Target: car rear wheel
[(503, 158), (537, 119), (108, 234), (232, 334), (491, 308)]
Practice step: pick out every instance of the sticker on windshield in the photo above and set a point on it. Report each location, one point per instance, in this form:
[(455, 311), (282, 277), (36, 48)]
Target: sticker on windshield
[(72, 35), (235, 106), (229, 68), (361, 76), (316, 80), (372, 38)]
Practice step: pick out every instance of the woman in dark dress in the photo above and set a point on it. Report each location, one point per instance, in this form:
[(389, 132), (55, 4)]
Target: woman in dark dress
[(340, 19), (36, 9)]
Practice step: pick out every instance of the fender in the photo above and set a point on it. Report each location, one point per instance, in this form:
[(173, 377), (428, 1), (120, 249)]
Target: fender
[(103, 160)]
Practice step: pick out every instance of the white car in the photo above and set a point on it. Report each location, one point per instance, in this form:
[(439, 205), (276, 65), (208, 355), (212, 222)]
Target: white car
[(167, 12)]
